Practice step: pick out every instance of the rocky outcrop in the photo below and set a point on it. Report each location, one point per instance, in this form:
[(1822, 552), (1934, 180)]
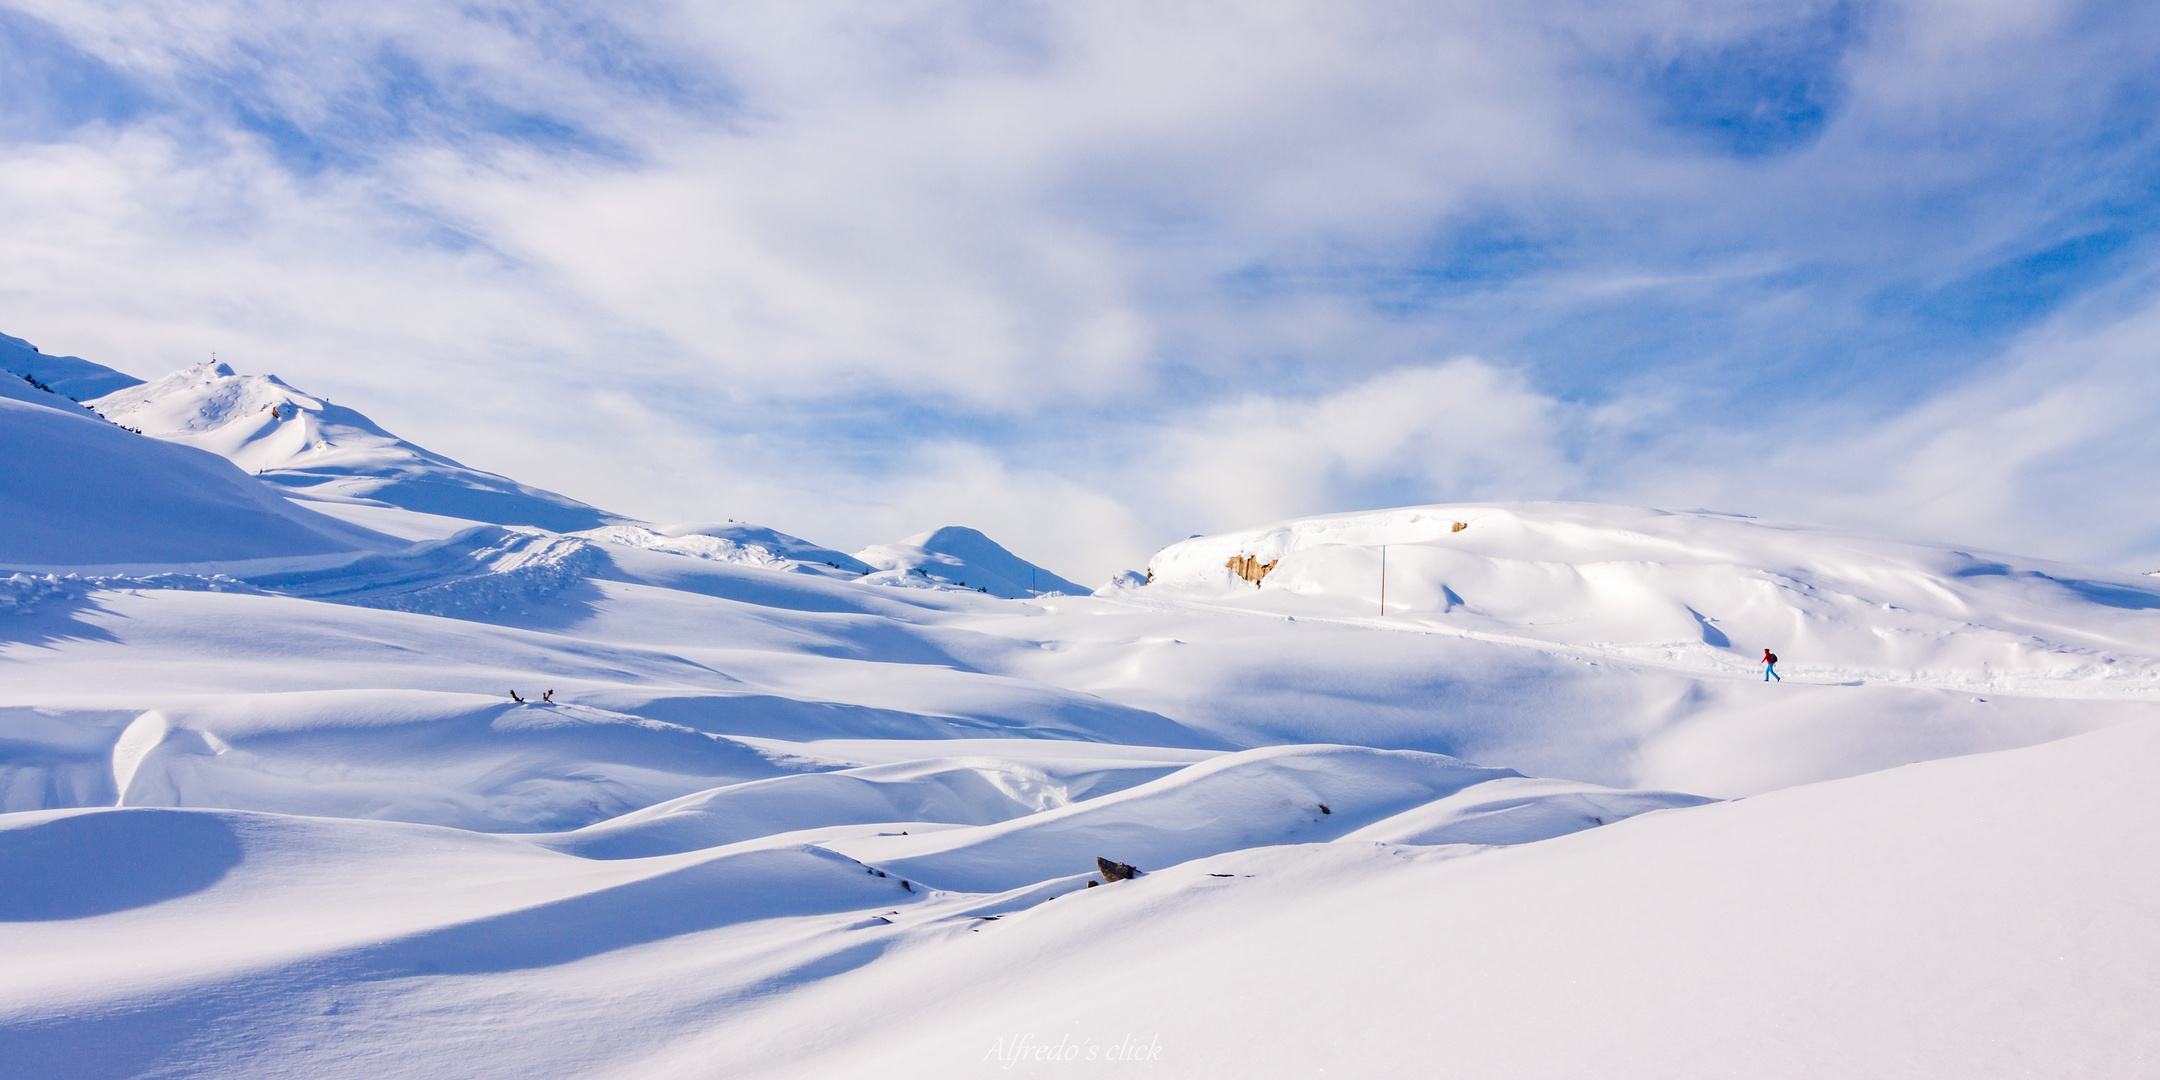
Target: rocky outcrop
[(1115, 871), (1250, 568)]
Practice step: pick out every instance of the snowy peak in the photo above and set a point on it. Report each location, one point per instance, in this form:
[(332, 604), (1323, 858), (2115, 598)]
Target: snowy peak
[(327, 452), (255, 421), (960, 557), (1694, 588)]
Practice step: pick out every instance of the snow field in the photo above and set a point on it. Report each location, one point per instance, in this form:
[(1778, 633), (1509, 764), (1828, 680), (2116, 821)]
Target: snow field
[(1977, 917), (279, 909)]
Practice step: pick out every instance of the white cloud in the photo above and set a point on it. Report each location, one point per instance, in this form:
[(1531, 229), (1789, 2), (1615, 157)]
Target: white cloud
[(2048, 452), (1462, 430)]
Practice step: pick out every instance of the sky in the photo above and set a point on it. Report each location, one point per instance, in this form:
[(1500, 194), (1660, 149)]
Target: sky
[(1095, 277)]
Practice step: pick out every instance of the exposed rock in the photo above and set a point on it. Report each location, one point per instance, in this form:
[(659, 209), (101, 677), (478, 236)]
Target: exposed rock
[(1250, 568), (1115, 871)]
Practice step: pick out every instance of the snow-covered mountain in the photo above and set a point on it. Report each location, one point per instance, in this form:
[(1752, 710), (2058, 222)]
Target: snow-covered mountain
[(279, 796), (328, 452), (961, 557), (1694, 589)]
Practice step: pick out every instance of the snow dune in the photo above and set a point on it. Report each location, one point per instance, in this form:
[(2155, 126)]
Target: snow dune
[(1940, 915), (1971, 918), (1277, 795), (454, 760), (952, 791), (285, 910)]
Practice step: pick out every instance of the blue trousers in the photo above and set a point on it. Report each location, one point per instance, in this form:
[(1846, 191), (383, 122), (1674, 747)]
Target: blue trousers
[(1769, 672)]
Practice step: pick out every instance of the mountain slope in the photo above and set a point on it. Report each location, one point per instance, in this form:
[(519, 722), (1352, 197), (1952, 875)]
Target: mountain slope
[(79, 491), (962, 558), (318, 450), (69, 376)]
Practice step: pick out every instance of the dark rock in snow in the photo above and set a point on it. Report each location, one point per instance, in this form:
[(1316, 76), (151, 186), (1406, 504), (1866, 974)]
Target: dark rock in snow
[(1115, 871)]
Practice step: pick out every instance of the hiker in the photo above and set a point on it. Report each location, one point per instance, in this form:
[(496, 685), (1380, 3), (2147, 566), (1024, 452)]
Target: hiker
[(548, 697), (1769, 667), (514, 697)]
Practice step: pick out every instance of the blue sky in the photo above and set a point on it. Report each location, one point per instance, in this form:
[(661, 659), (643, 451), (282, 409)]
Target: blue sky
[(1094, 277)]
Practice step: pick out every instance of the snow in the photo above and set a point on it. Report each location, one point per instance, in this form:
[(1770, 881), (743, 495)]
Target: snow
[(1964, 918), (71, 377), (268, 805), (750, 545), (1699, 591), (327, 452), (1273, 795), (151, 502), (959, 557)]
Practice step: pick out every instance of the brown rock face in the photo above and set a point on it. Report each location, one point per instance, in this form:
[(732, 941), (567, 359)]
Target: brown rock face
[(1250, 568), (1115, 871)]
